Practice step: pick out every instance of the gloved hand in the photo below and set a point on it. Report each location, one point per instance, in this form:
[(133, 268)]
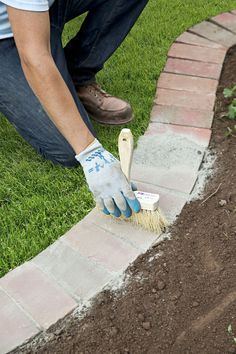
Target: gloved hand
[(112, 191)]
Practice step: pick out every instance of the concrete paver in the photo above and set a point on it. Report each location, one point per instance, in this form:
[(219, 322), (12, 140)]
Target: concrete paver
[(170, 156), (15, 326), (181, 116), (198, 136), (187, 83), (215, 33), (191, 38), (39, 295), (193, 68), (76, 274), (207, 55), (97, 244), (125, 230), (180, 178), (226, 20), (193, 100)]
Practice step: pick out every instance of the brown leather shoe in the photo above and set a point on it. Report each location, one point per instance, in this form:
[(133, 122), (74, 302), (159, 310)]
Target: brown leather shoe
[(103, 107)]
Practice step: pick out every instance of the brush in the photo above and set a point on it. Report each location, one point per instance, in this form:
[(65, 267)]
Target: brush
[(150, 217)]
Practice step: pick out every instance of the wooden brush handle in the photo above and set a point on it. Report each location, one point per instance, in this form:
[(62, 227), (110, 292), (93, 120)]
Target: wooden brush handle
[(126, 147)]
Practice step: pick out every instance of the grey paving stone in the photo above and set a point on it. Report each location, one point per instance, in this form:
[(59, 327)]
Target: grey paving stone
[(170, 160), (124, 229), (15, 326), (101, 246), (198, 136), (78, 275), (194, 39), (215, 33)]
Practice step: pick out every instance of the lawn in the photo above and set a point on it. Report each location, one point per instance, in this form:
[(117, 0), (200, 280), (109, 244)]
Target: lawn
[(40, 201)]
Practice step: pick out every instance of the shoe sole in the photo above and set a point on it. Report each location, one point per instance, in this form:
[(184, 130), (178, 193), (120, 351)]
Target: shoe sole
[(128, 120)]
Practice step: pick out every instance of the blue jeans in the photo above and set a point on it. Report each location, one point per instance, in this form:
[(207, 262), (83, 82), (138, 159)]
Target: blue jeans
[(104, 28)]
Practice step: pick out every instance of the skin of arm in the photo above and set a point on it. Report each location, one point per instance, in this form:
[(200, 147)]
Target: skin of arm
[(31, 32)]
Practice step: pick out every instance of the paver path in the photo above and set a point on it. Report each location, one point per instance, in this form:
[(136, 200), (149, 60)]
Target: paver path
[(96, 251)]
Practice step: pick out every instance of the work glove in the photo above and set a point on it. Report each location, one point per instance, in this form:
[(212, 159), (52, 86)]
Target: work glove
[(111, 190)]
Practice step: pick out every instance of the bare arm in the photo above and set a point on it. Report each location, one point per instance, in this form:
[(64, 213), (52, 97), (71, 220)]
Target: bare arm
[(32, 36)]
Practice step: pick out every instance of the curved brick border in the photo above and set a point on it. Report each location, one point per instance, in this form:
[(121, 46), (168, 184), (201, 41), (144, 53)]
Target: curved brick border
[(97, 250)]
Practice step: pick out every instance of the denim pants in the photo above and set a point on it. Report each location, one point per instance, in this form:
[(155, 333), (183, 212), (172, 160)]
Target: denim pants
[(106, 25)]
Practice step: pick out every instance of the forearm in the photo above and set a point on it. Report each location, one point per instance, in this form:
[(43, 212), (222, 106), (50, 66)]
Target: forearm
[(48, 85)]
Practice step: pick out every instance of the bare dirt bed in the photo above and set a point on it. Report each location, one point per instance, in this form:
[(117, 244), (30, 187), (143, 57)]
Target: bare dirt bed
[(187, 297)]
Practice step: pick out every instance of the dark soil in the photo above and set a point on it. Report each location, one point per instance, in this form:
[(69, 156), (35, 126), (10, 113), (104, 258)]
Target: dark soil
[(187, 297)]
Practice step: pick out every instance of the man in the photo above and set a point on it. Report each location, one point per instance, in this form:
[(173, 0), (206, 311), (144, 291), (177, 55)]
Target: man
[(47, 91)]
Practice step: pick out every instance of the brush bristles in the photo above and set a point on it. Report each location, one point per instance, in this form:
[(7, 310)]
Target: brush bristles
[(153, 221)]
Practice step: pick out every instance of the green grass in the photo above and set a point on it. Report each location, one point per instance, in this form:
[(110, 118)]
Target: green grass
[(39, 201)]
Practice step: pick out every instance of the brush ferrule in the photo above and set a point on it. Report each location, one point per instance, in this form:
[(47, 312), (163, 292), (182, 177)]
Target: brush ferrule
[(148, 201)]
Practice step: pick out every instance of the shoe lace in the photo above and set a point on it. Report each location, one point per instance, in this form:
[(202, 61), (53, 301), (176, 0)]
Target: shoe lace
[(97, 91)]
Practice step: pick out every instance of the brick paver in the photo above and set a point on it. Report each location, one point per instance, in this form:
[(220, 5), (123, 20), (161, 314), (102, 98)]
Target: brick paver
[(193, 100), (226, 20), (191, 38), (85, 238), (46, 302), (15, 326), (193, 68), (187, 83), (181, 116), (207, 55), (215, 33)]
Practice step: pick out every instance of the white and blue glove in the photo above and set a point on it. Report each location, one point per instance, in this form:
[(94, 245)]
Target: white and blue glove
[(111, 190)]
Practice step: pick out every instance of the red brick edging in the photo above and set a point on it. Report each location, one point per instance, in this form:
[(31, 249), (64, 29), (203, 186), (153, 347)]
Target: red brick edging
[(77, 266)]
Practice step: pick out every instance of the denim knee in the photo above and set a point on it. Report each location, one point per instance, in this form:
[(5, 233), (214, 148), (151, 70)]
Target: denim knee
[(66, 162), (65, 159)]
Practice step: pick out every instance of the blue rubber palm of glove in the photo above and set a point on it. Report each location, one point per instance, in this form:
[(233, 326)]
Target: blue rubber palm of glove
[(111, 190)]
